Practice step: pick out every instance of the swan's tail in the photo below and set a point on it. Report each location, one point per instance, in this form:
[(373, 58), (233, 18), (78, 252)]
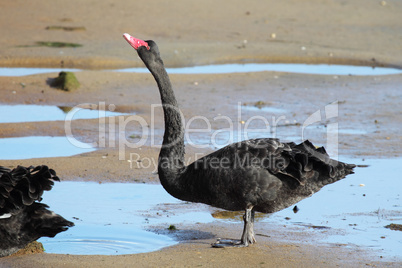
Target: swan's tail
[(22, 186), (27, 225), (320, 167), (46, 222)]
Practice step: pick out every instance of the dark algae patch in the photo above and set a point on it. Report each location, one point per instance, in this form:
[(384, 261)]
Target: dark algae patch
[(259, 104), (394, 226), (66, 28), (57, 44), (65, 81), (52, 44), (172, 228)]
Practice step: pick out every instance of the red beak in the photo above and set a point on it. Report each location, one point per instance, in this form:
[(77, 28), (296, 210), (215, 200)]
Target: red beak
[(134, 42)]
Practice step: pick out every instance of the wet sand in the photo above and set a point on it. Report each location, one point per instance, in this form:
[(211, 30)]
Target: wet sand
[(192, 34)]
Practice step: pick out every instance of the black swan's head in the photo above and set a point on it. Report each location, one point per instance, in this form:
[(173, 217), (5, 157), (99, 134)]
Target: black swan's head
[(147, 50)]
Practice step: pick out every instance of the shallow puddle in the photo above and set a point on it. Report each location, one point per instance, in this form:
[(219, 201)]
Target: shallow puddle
[(35, 113), (44, 146), (322, 69), (352, 131), (263, 109), (112, 218), (31, 71), (40, 146), (357, 209)]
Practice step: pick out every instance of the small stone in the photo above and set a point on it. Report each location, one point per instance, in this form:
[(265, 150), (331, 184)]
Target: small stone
[(273, 35), (383, 3)]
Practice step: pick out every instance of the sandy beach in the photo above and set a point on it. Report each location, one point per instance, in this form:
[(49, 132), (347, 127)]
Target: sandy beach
[(192, 33)]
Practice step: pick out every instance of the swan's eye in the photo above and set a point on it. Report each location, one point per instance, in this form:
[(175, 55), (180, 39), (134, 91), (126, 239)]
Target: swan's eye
[(142, 44)]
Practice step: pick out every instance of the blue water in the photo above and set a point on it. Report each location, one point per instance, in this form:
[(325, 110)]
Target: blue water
[(112, 218), (357, 208), (44, 146), (31, 71), (36, 113), (39, 147), (322, 69)]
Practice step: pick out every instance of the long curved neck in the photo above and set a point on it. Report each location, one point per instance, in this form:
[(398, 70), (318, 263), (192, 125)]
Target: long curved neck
[(171, 156)]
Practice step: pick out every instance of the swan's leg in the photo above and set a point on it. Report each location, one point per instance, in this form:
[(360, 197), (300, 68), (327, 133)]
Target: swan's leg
[(248, 231), (247, 236)]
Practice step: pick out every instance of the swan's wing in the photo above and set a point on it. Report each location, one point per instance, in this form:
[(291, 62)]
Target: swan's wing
[(298, 163)]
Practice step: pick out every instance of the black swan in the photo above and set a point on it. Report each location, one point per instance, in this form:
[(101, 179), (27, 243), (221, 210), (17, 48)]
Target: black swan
[(262, 175), (22, 219)]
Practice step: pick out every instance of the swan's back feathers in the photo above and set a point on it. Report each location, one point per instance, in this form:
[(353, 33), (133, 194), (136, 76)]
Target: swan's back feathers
[(22, 186), (303, 162), (264, 173)]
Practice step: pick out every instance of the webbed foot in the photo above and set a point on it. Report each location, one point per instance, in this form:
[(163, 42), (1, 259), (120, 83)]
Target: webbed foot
[(223, 243)]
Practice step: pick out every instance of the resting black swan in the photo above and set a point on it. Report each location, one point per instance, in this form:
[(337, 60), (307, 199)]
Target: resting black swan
[(262, 175), (22, 219)]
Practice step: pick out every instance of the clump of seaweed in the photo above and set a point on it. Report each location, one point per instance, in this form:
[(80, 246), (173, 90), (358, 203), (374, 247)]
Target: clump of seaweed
[(65, 81), (394, 226), (172, 228), (259, 104)]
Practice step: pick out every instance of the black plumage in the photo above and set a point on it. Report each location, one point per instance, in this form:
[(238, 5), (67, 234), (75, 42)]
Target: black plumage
[(262, 175), (22, 218)]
